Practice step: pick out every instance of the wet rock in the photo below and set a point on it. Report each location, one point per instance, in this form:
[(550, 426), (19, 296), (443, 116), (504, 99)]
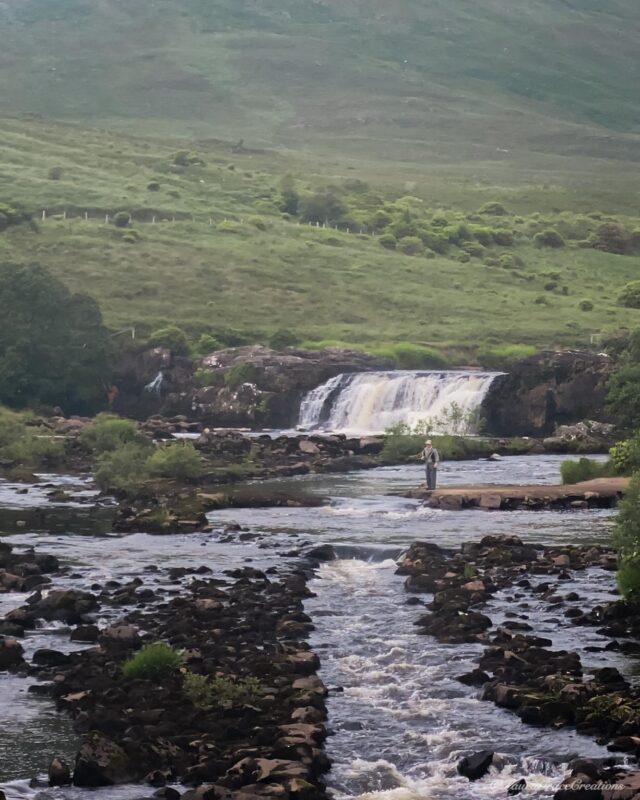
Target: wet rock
[(69, 605), (85, 633), (11, 653), (101, 762), (474, 678), (476, 765), (126, 636), (59, 773), (324, 552), (50, 658)]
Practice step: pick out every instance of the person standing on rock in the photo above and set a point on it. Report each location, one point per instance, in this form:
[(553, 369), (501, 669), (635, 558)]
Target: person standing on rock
[(431, 459)]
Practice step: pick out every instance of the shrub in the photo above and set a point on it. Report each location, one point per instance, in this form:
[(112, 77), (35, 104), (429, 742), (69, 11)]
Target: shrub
[(475, 249), (507, 261), (585, 470), (551, 285), (493, 210), (483, 235), (503, 238), (153, 662), (323, 206), (388, 241), (585, 305), (28, 447), (410, 245), (122, 219), (153, 186), (55, 173), (463, 257), (123, 468), (172, 338), (239, 374), (380, 220), (283, 338), (220, 692), (207, 344), (626, 539), (623, 396), (207, 377), (625, 455), (611, 237), (541, 301), (187, 158), (258, 223), (406, 355), (108, 432), (629, 297), (548, 238), (179, 460)]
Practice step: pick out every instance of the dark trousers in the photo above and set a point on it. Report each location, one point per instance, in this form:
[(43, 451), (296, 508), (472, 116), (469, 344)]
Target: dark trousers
[(432, 474)]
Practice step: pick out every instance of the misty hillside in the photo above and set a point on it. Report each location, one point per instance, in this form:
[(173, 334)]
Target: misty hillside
[(465, 78)]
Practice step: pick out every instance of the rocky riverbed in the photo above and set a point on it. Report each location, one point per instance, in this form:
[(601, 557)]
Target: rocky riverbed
[(334, 647)]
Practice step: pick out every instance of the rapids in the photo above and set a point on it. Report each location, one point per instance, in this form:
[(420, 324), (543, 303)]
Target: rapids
[(402, 721)]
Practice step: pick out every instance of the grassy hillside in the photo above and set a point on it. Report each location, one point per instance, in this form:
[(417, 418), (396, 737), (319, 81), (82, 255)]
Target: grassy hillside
[(221, 256), (461, 80)]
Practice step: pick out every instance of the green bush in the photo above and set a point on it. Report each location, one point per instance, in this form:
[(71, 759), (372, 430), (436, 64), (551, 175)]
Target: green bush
[(585, 305), (388, 241), (323, 206), (623, 396), (122, 219), (549, 238), (55, 173), (258, 222), (172, 338), (207, 344), (283, 338), (626, 539), (203, 377), (629, 297), (406, 355), (625, 455), (122, 469), (611, 237), (239, 374), (219, 692), (179, 460), (493, 210), (585, 470), (153, 662), (29, 447), (108, 432), (503, 238), (410, 245), (153, 186)]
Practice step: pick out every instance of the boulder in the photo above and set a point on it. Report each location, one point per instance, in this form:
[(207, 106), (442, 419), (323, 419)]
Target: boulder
[(59, 772), (476, 765), (11, 653), (101, 762)]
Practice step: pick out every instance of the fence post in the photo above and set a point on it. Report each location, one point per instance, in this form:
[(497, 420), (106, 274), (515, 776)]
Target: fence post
[(44, 215), (86, 216), (106, 219)]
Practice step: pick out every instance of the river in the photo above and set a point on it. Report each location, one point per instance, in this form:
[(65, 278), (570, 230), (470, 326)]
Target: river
[(402, 721)]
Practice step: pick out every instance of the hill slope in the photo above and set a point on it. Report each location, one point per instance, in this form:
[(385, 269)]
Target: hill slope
[(456, 79), (221, 256)]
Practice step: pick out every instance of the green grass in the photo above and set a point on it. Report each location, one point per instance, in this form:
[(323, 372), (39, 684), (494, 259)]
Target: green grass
[(322, 285), (470, 80)]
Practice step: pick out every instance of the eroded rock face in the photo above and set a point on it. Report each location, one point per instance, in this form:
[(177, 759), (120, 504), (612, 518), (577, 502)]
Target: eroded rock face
[(546, 390), (243, 386)]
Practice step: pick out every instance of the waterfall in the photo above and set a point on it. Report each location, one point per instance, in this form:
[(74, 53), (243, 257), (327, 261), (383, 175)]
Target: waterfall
[(155, 385), (371, 402)]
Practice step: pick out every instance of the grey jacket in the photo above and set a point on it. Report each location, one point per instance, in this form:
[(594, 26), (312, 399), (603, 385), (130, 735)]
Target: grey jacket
[(431, 455)]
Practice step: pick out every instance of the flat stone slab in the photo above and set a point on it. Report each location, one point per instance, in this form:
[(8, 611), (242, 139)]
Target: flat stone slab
[(598, 493)]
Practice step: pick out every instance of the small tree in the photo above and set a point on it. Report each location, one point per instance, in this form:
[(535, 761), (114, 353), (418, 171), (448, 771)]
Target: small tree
[(626, 539), (629, 297), (179, 460), (171, 337), (549, 238), (323, 206), (122, 219)]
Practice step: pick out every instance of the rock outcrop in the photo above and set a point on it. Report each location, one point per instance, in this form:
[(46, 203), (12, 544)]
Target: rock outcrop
[(237, 386), (547, 390)]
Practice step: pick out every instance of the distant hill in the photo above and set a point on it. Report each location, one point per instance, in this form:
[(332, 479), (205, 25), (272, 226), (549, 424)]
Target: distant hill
[(411, 80)]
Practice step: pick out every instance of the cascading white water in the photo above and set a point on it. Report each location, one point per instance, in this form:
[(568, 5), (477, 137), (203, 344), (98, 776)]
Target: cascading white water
[(371, 402)]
